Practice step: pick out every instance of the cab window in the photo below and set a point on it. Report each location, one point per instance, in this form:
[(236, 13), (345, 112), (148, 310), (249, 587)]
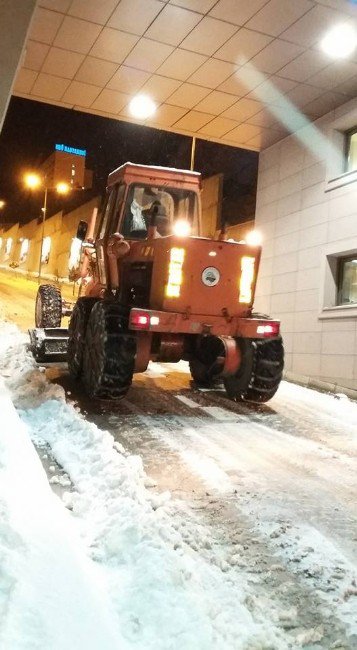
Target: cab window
[(164, 204)]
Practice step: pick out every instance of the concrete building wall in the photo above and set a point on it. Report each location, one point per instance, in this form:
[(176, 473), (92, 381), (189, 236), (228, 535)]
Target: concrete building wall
[(307, 213), (15, 21)]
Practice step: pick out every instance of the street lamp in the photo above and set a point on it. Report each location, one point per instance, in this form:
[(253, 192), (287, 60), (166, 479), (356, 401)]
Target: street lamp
[(33, 181)]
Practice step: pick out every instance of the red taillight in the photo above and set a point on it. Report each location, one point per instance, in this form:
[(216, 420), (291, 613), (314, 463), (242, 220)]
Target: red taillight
[(140, 320), (269, 329)]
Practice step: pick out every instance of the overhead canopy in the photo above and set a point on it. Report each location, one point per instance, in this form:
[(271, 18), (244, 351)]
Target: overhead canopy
[(239, 72)]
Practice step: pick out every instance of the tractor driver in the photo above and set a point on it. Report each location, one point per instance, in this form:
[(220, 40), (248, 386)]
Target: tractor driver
[(143, 216)]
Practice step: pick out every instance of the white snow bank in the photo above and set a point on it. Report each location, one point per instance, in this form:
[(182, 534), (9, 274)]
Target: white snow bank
[(150, 585), (49, 588)]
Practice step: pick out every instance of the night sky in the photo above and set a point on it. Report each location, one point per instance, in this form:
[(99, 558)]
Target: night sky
[(31, 130)]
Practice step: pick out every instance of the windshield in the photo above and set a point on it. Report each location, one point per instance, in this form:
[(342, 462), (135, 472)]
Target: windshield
[(167, 204)]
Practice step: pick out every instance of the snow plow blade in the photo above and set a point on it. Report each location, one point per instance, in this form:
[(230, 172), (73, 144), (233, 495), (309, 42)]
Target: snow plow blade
[(49, 344)]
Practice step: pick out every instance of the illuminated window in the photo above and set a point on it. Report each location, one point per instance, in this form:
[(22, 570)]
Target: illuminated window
[(75, 254), (8, 246), (24, 250), (46, 249), (347, 281), (351, 150)]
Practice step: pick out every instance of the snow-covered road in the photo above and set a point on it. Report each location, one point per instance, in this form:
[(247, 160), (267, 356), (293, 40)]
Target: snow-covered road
[(195, 523)]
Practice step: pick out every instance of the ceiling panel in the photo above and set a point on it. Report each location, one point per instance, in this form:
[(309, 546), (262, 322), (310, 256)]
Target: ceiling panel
[(92, 10), (181, 64), (62, 62), (215, 103), (76, 35), (35, 55), (110, 101), (193, 121), (96, 71), (236, 12), (243, 46), (135, 16), (212, 73), (187, 95), (167, 115), (172, 25), (277, 15), (160, 88), (243, 109), (113, 45), (45, 25), (128, 80), (202, 6), (148, 55), (218, 127), (25, 79), (277, 54), (80, 93), (208, 36), (49, 87)]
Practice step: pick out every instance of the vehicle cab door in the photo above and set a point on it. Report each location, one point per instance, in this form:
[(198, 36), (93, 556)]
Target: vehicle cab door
[(108, 225)]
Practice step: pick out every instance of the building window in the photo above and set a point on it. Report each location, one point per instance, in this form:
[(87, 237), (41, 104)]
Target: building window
[(351, 150), (347, 281)]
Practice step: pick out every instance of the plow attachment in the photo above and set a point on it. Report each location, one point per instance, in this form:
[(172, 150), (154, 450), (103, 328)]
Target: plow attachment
[(49, 344)]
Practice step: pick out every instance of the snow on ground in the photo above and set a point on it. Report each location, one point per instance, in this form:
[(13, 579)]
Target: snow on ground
[(113, 569)]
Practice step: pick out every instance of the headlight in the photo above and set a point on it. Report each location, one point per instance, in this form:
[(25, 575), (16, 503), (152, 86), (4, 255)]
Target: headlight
[(182, 228), (254, 238), (246, 279)]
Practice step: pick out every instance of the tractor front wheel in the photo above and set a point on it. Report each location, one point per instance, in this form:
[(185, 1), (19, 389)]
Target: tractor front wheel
[(260, 372), (48, 308), (109, 352), (77, 333)]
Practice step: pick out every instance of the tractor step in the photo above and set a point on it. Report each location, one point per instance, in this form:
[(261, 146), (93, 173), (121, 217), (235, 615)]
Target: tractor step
[(49, 344)]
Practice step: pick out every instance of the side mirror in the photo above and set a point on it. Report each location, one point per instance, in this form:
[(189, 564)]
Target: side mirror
[(82, 230)]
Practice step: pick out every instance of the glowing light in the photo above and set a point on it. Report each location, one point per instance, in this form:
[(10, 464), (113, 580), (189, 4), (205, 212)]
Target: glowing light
[(75, 253), (46, 249), (142, 107), (2, 204), (154, 320), (32, 181), (340, 41), (254, 238), (246, 279), (173, 287), (8, 246), (62, 188), (0, 243), (212, 253), (182, 228), (24, 250)]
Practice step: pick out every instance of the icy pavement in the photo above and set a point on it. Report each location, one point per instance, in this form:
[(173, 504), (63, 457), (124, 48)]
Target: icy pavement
[(112, 565)]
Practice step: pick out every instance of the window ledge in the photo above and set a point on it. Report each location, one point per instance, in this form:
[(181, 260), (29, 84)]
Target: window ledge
[(344, 179), (340, 311)]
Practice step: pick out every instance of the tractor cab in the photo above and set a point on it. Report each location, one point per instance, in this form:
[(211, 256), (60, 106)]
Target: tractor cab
[(139, 197)]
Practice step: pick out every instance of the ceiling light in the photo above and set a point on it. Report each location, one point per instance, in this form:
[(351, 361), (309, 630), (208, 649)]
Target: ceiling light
[(142, 107), (340, 41)]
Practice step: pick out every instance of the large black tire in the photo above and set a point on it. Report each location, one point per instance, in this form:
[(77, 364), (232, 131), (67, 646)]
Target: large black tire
[(203, 362), (77, 332), (48, 308), (261, 370), (109, 352)]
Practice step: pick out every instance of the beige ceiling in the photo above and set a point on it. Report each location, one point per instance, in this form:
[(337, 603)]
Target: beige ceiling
[(240, 72)]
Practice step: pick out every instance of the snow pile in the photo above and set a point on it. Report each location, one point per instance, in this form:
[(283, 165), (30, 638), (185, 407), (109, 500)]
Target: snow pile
[(118, 564)]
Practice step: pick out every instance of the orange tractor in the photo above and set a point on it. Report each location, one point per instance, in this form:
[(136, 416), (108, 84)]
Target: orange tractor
[(154, 289)]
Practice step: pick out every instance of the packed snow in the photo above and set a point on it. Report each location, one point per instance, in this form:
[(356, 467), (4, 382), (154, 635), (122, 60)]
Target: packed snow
[(109, 565)]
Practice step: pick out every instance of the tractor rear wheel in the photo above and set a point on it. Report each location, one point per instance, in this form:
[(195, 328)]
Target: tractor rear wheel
[(77, 333), (260, 373), (204, 363), (109, 352), (48, 308)]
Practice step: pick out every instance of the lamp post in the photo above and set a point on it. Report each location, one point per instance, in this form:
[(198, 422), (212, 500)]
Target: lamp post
[(34, 181)]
